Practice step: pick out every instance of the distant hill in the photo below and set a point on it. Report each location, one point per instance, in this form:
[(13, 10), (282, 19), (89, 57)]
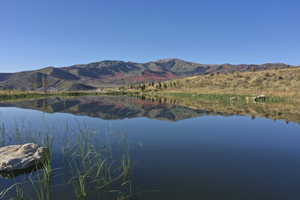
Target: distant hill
[(115, 73), (4, 76)]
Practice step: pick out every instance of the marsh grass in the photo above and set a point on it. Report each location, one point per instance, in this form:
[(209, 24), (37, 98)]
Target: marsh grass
[(90, 167), (5, 191), (228, 98), (19, 193), (6, 95), (97, 168), (42, 182), (2, 134)]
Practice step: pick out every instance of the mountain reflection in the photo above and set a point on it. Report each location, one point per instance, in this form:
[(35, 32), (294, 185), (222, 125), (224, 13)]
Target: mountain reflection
[(171, 109), (110, 107)]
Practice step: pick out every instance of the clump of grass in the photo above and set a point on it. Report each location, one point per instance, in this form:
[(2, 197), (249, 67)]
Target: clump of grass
[(4, 192), (2, 135), (93, 166), (19, 193), (43, 183), (81, 187)]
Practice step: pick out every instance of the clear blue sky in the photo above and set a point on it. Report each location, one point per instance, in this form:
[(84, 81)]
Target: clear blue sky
[(39, 33)]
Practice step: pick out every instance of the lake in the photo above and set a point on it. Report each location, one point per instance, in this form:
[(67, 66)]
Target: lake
[(119, 148)]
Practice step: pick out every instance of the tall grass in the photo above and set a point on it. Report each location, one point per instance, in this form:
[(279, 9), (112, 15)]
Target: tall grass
[(88, 168)]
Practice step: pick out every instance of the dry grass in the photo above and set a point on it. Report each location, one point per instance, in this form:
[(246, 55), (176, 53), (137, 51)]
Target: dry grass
[(281, 82)]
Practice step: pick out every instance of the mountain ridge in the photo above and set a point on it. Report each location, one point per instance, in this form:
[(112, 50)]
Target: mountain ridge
[(110, 73)]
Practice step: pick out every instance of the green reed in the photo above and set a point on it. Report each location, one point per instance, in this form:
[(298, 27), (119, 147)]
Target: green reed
[(91, 166), (43, 182), (2, 135)]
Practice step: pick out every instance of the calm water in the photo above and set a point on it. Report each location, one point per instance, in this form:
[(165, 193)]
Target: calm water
[(175, 152)]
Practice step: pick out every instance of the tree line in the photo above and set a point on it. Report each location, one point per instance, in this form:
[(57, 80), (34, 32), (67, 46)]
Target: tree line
[(151, 85)]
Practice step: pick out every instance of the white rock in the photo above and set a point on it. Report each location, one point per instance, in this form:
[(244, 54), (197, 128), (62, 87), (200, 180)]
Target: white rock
[(21, 157)]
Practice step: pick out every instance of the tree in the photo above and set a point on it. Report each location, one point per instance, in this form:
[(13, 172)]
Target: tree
[(159, 85)]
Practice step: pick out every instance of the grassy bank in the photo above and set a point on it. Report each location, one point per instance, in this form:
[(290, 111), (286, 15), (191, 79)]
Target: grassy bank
[(280, 83), (12, 95), (15, 95)]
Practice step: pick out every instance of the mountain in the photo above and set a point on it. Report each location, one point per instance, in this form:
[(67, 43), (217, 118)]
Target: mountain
[(4, 76), (115, 73)]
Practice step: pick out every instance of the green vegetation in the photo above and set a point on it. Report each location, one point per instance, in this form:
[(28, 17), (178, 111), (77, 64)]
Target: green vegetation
[(12, 94), (90, 168), (226, 98)]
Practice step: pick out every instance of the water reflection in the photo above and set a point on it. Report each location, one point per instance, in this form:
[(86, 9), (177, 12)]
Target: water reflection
[(14, 174), (110, 107), (207, 157), (172, 109)]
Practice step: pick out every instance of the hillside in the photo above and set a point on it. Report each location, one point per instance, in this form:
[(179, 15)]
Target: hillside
[(278, 82), (116, 73)]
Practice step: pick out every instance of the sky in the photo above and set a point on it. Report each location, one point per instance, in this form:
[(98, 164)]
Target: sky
[(41, 33)]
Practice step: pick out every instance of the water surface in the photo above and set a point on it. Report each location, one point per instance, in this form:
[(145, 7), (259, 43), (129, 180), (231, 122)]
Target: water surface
[(175, 151)]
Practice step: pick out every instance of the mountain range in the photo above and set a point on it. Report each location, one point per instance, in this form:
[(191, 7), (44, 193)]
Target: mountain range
[(116, 73)]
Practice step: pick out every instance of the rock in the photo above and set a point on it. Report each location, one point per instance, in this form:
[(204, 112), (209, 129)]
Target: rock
[(21, 157), (234, 99), (260, 98)]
